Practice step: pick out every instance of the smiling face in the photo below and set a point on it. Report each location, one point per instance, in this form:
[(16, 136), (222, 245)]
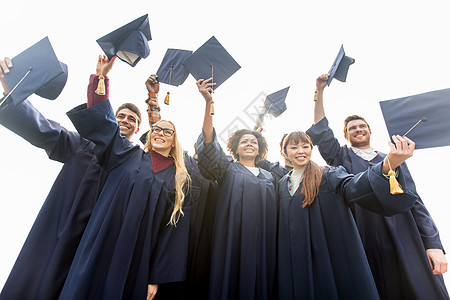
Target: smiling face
[(160, 141), (299, 154), (358, 134), (128, 122), (247, 148)]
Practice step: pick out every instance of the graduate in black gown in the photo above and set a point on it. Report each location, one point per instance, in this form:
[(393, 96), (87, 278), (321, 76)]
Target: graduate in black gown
[(46, 256), (320, 254), (405, 252), (243, 260)]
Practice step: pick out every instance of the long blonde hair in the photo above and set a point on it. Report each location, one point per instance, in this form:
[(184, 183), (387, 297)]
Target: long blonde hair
[(181, 174)]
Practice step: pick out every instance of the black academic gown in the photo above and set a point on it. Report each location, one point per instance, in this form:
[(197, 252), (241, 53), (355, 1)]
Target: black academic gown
[(46, 256), (244, 237), (127, 243), (395, 246), (320, 254)]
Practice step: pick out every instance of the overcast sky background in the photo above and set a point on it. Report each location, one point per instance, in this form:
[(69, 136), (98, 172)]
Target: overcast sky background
[(401, 48)]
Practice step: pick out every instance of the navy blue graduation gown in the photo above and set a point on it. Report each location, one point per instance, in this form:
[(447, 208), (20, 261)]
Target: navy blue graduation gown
[(127, 243), (395, 246), (202, 202), (320, 254), (243, 261), (46, 256)]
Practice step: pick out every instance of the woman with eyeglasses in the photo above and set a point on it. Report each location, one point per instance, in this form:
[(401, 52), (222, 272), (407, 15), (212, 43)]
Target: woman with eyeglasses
[(320, 254), (243, 254), (137, 235)]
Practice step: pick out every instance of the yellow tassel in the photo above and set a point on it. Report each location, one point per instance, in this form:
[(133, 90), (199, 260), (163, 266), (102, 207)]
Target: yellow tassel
[(211, 110), (166, 100), (395, 186), (101, 86), (316, 98)]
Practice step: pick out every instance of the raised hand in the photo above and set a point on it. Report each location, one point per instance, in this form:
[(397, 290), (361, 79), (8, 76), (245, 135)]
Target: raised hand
[(5, 65), (104, 65), (152, 84), (205, 88)]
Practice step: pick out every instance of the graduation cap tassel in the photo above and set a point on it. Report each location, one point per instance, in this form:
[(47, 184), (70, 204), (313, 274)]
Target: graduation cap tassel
[(316, 98), (26, 74), (393, 183), (211, 109), (101, 89), (167, 98)]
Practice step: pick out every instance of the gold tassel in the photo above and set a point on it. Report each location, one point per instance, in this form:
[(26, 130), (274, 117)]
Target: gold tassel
[(166, 100), (101, 85), (395, 186), (316, 98), (211, 110)]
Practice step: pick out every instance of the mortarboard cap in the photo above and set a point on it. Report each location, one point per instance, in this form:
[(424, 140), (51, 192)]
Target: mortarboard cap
[(211, 60), (171, 71), (129, 42), (36, 70), (275, 102), (339, 69), (423, 118)]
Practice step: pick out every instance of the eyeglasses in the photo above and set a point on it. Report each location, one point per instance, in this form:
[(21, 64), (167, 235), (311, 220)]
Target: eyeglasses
[(166, 131)]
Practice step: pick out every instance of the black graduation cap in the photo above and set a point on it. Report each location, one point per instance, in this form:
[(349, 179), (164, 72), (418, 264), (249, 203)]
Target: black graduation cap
[(275, 103), (36, 70), (424, 118), (171, 71), (129, 42), (339, 69), (211, 60)]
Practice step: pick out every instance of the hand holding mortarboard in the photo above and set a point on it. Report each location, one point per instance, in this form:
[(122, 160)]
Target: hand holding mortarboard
[(402, 148), (205, 87), (104, 65), (4, 69)]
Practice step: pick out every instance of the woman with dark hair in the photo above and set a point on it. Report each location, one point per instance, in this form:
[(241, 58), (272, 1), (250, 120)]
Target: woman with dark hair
[(243, 258), (320, 254)]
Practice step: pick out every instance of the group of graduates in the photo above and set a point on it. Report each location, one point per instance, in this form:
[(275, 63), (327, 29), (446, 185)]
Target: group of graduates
[(128, 222)]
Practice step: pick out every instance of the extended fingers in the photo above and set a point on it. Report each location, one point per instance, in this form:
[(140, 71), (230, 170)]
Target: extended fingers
[(5, 65)]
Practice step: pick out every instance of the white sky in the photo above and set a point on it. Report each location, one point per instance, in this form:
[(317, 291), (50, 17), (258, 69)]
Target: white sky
[(401, 48)]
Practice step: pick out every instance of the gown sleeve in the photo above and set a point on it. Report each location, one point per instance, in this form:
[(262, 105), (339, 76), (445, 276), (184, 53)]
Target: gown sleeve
[(26, 121), (98, 124), (212, 161), (277, 170), (425, 224), (329, 147), (370, 190)]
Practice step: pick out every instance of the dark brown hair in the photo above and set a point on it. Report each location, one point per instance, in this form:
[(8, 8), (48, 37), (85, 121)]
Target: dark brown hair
[(233, 142), (131, 107), (312, 177), (352, 118)]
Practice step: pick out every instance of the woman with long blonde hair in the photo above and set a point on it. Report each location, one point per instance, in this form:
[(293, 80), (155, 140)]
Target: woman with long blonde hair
[(320, 254), (137, 235)]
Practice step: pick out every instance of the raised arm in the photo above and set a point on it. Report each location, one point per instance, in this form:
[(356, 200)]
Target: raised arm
[(319, 111), (205, 89), (26, 121)]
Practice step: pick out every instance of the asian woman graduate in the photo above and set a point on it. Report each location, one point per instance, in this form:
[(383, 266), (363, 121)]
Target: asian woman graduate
[(244, 235), (320, 254)]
